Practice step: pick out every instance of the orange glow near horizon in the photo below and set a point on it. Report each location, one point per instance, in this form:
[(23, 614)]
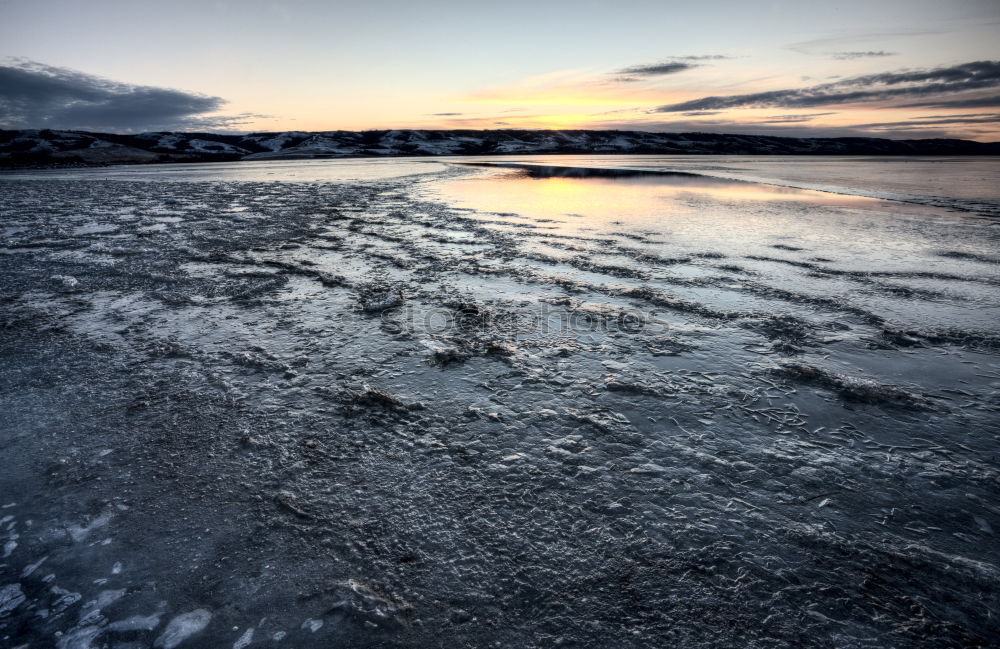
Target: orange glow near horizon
[(573, 100), (321, 66)]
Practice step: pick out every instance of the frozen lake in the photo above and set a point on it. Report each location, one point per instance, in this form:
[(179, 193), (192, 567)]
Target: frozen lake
[(527, 401)]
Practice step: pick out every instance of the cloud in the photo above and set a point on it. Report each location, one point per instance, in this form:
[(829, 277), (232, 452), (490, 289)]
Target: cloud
[(791, 119), (34, 95), (657, 69), (703, 57), (995, 116), (868, 88), (748, 127), (488, 121), (923, 122), (969, 102), (848, 56), (731, 126), (671, 65), (825, 45), (446, 114)]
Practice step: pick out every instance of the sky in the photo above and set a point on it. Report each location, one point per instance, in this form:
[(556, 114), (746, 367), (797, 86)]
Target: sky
[(885, 68)]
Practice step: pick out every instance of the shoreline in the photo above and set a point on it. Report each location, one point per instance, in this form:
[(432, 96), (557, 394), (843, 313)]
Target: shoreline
[(53, 146)]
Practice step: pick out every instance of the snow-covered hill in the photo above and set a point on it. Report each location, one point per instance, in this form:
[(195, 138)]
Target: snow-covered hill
[(48, 147)]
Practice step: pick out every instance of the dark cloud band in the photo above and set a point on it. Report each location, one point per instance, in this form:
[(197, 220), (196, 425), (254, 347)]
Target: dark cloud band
[(975, 75), (33, 95)]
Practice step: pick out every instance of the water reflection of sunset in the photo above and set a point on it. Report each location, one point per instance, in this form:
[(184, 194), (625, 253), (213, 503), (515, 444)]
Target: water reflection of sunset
[(618, 197), (690, 211)]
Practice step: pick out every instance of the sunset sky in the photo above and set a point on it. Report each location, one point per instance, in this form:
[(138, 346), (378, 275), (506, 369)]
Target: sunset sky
[(892, 68)]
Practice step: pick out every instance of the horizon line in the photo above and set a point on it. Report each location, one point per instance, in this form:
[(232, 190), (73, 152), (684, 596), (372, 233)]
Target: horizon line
[(491, 130)]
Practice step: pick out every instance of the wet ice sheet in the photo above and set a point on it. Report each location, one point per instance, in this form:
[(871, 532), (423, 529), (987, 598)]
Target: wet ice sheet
[(260, 170), (967, 183), (911, 263), (631, 433)]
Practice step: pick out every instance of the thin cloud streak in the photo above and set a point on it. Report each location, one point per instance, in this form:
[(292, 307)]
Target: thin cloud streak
[(670, 65), (779, 129), (850, 56), (825, 45), (703, 57), (992, 101), (924, 121), (658, 69), (791, 119)]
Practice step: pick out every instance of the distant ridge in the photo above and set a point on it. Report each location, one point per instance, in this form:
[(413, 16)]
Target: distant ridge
[(56, 147)]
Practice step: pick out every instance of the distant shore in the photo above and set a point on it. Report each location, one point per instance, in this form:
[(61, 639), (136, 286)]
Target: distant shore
[(56, 148)]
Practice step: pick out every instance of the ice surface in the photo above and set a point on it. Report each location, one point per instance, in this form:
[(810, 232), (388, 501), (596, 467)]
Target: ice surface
[(80, 532), (11, 597), (244, 640), (312, 625), (32, 567), (136, 623), (79, 638), (183, 627), (439, 410), (967, 183)]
